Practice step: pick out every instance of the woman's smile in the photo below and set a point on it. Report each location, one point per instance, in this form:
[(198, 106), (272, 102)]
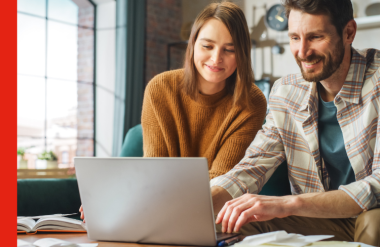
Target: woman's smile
[(214, 68)]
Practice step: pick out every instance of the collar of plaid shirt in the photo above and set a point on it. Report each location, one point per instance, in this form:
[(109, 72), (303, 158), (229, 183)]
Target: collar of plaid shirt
[(351, 89)]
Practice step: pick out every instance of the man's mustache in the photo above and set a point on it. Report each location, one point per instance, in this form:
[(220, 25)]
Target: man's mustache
[(310, 58)]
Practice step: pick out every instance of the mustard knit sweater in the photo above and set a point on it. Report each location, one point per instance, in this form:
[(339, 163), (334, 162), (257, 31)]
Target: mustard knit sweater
[(174, 125)]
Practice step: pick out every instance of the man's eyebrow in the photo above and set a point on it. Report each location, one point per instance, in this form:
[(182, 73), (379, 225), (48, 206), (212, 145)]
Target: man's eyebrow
[(310, 33), (212, 41)]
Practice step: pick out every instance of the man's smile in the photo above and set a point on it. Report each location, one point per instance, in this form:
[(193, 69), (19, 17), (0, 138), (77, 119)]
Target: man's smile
[(310, 64)]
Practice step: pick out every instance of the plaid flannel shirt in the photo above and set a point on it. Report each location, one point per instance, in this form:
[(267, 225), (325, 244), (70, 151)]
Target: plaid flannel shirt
[(291, 133)]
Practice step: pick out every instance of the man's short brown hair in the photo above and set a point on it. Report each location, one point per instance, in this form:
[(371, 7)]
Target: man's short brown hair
[(340, 12)]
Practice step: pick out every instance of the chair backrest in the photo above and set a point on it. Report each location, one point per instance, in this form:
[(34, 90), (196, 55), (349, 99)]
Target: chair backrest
[(47, 196), (133, 143)]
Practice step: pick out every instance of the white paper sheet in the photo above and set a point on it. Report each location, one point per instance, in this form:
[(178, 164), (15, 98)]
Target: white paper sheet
[(49, 242), (281, 238), (362, 245), (23, 243)]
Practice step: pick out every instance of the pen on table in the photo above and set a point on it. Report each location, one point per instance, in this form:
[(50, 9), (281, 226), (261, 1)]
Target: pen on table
[(228, 241), (232, 240), (222, 243)]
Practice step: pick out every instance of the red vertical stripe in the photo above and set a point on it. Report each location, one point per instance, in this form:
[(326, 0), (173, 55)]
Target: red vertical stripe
[(8, 102)]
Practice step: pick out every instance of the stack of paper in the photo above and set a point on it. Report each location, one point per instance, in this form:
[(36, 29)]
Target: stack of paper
[(282, 238), (52, 242)]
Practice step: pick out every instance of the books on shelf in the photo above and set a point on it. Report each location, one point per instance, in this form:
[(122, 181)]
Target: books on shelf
[(49, 224)]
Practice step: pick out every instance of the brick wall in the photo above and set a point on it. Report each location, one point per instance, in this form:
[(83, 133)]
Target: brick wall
[(163, 26), (85, 112)]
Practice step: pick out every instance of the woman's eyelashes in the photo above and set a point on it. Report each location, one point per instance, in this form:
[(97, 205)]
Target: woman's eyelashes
[(209, 47)]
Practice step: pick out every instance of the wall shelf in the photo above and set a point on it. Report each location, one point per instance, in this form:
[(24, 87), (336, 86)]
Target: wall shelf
[(368, 22)]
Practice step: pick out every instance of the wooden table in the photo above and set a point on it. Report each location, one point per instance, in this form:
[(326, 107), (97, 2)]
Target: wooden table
[(81, 238)]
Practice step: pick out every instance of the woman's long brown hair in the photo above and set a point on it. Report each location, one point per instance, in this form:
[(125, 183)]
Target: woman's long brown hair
[(240, 82)]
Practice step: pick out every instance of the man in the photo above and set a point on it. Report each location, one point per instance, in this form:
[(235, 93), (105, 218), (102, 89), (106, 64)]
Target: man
[(325, 123)]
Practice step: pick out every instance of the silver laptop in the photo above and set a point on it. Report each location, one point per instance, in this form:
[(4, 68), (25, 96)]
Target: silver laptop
[(147, 200)]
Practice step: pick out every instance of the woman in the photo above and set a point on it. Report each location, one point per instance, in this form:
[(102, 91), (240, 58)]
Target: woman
[(211, 108)]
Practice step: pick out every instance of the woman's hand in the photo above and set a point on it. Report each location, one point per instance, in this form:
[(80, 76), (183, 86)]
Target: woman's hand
[(82, 213)]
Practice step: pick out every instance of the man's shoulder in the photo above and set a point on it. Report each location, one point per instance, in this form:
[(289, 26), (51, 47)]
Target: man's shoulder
[(370, 54), (289, 82), (366, 65), (291, 93), (371, 57)]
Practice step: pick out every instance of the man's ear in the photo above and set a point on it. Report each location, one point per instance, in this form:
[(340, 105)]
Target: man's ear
[(349, 32)]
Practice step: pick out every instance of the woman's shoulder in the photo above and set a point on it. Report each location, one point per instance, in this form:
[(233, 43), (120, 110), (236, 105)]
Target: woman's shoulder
[(165, 82)]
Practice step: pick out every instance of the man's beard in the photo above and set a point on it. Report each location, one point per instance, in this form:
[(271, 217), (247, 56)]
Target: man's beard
[(330, 64)]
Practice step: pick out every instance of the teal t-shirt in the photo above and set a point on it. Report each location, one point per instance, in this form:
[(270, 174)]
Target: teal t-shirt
[(331, 146)]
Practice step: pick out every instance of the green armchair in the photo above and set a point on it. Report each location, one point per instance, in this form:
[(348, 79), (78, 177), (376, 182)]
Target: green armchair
[(47, 196), (133, 143)]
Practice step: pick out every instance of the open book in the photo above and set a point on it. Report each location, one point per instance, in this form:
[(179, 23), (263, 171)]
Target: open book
[(49, 224)]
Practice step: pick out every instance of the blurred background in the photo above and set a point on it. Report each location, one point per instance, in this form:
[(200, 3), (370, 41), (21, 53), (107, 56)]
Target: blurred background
[(83, 66)]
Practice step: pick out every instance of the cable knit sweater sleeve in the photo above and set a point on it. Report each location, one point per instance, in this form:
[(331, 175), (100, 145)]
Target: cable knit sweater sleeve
[(237, 141), (154, 144)]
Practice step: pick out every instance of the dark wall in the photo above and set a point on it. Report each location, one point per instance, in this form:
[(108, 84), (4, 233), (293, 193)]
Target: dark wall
[(163, 26)]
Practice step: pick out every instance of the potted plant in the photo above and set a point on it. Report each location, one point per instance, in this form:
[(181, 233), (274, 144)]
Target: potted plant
[(22, 162), (47, 160)]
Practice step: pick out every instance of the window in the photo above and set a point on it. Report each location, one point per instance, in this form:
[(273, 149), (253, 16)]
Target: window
[(55, 79)]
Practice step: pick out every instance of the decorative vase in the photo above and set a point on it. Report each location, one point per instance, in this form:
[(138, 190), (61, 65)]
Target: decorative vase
[(23, 164), (51, 164), (41, 164), (46, 164)]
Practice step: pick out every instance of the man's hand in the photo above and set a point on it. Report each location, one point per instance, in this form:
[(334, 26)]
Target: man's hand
[(82, 213), (249, 207)]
